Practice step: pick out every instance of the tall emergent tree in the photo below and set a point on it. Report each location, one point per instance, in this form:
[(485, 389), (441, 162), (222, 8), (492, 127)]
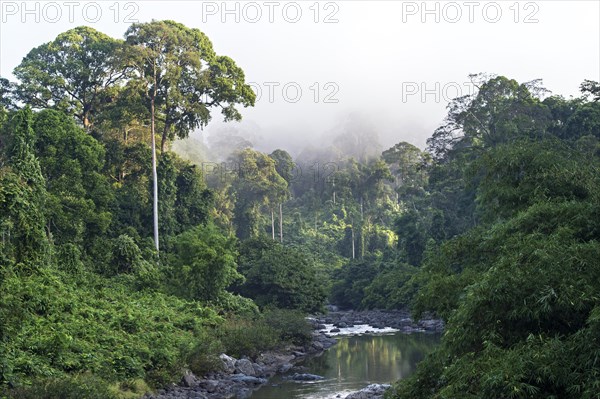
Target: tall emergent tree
[(77, 72), (183, 79)]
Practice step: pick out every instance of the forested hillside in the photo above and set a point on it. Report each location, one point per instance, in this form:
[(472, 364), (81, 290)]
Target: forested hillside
[(515, 193), (127, 256)]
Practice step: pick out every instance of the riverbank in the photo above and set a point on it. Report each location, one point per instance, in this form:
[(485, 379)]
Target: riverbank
[(239, 378)]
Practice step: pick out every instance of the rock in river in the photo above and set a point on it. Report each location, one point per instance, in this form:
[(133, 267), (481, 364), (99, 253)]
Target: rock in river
[(305, 377), (373, 391)]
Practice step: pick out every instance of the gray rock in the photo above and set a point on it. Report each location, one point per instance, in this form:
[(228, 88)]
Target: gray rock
[(270, 358), (373, 391), (246, 379), (284, 367), (317, 345), (306, 377), (244, 366), (228, 363), (188, 379), (259, 370), (209, 385), (431, 325)]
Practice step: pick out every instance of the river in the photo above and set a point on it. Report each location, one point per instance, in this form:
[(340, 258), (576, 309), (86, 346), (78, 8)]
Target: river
[(353, 363)]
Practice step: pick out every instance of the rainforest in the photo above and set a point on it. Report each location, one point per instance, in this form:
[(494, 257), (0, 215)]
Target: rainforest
[(133, 252)]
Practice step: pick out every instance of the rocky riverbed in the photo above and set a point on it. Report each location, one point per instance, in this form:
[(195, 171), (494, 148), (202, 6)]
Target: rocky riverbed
[(337, 322), (239, 378)]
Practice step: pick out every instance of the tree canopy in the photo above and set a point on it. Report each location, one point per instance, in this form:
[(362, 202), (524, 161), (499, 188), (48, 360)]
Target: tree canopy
[(77, 72)]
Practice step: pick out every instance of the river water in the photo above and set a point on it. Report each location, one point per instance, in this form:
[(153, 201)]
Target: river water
[(353, 363)]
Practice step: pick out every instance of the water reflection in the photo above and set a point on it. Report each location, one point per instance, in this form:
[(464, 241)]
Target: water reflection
[(354, 363)]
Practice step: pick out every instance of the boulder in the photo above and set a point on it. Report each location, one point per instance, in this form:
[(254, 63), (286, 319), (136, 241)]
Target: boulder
[(228, 363), (271, 358), (259, 370), (188, 379), (244, 366), (317, 345), (373, 391)]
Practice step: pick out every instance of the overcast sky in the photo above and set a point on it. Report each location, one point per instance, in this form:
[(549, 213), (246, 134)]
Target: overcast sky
[(392, 64)]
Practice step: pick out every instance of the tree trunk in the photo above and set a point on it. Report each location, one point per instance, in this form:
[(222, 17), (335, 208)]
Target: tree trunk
[(85, 117), (353, 242), (362, 242), (154, 174), (281, 222), (361, 208), (163, 140), (273, 224)]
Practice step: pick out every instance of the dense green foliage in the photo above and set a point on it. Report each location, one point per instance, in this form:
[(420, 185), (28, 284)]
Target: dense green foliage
[(280, 276), (204, 263), (519, 289), (56, 322), (248, 336)]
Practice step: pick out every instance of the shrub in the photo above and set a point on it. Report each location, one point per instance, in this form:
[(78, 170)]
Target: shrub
[(130, 389), (248, 337), (67, 387), (204, 356), (203, 263), (291, 325), (236, 304), (55, 324)]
